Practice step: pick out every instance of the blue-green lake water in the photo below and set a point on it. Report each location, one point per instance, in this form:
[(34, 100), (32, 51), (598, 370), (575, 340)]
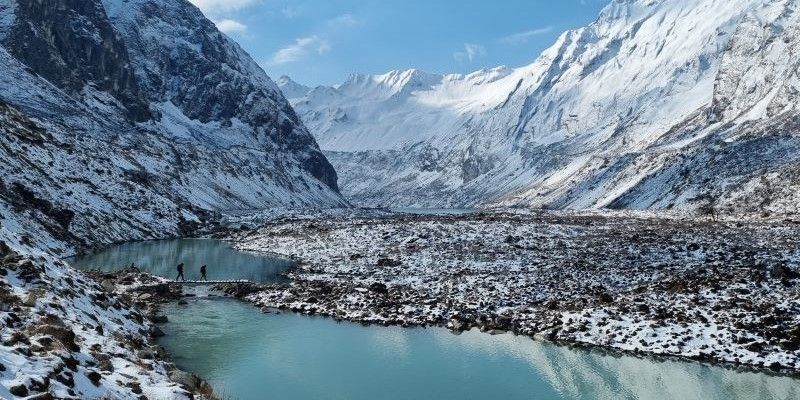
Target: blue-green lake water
[(247, 354), (161, 257)]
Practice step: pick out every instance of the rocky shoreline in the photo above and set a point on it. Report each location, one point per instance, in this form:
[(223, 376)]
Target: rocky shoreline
[(725, 292), (66, 336), (149, 293)]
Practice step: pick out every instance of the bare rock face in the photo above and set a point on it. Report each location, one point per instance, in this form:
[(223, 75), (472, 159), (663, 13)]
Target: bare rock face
[(210, 78), (72, 44)]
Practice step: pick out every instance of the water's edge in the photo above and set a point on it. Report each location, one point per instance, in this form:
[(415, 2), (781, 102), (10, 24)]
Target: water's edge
[(592, 349)]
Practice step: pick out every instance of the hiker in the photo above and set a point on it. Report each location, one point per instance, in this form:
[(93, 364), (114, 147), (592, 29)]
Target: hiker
[(180, 273), (203, 273)]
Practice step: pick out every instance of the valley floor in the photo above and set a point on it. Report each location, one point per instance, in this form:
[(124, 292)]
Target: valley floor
[(716, 291)]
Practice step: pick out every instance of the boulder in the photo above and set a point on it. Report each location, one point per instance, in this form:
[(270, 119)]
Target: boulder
[(145, 354), (108, 285), (156, 332), (185, 379), (61, 333), (30, 300), (378, 287), (18, 390), (388, 262), (459, 323), (94, 377), (104, 362), (159, 319)]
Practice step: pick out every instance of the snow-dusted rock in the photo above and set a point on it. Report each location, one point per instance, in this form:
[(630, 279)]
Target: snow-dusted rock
[(124, 120), (724, 291), (64, 335)]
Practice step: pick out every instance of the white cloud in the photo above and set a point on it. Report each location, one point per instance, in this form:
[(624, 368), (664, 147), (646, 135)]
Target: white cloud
[(523, 37), (231, 26), (221, 6), (343, 20), (470, 52), (300, 49)]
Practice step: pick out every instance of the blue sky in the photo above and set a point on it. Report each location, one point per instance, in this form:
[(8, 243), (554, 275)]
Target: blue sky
[(325, 41)]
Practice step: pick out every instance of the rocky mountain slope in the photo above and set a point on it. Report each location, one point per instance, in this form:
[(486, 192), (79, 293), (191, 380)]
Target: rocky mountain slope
[(123, 120), (656, 104), (134, 119), (64, 336)]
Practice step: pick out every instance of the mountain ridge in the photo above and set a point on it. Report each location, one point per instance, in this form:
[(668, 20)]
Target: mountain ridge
[(586, 125)]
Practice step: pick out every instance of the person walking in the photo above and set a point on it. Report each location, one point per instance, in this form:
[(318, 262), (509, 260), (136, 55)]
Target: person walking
[(203, 273), (180, 273)]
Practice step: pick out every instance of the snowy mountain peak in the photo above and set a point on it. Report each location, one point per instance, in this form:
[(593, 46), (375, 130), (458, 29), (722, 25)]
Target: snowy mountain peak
[(292, 89), (405, 78), (389, 84), (589, 123)]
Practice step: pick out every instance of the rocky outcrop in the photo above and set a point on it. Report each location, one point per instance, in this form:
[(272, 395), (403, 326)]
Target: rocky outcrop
[(743, 148), (72, 44), (182, 59)]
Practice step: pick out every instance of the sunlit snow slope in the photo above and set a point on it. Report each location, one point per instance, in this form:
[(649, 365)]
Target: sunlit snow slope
[(657, 104)]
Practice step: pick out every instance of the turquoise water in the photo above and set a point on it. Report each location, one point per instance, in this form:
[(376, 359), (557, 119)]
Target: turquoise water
[(249, 355), (160, 257), (246, 354)]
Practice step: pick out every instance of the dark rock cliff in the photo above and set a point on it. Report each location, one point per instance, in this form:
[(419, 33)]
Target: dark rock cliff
[(72, 44)]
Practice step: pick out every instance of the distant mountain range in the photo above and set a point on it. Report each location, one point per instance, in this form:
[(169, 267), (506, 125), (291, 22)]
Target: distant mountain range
[(132, 119), (657, 104)]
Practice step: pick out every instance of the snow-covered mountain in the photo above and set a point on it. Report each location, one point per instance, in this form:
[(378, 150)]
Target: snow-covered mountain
[(290, 88), (123, 120), (130, 119), (656, 104)]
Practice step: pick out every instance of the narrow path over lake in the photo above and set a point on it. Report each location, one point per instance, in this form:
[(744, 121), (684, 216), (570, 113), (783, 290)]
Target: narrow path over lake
[(246, 354), (162, 256)]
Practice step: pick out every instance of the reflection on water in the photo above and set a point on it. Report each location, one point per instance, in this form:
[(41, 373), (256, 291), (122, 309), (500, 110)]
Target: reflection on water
[(249, 355), (584, 373), (161, 258)]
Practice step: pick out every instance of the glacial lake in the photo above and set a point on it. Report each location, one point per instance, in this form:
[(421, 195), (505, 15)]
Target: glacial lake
[(247, 354), (161, 257)]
